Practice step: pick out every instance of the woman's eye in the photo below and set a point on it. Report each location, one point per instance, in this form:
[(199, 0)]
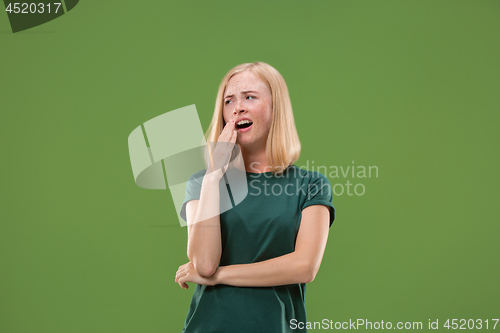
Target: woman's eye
[(227, 102), (250, 97)]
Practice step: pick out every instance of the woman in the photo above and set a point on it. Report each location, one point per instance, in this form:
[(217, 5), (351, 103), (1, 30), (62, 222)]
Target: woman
[(251, 263)]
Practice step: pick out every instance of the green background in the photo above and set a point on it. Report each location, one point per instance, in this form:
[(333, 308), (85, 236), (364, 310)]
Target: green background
[(409, 86)]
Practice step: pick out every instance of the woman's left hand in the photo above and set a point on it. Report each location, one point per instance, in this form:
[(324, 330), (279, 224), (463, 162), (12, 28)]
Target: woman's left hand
[(187, 273)]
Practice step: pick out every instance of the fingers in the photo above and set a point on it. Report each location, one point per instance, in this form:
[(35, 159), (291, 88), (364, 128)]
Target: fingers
[(231, 124), (180, 279), (182, 268), (182, 274), (227, 132), (218, 155), (183, 284), (234, 136)]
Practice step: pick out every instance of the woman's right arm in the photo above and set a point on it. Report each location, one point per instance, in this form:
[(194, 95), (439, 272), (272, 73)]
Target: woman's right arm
[(204, 247), (203, 216)]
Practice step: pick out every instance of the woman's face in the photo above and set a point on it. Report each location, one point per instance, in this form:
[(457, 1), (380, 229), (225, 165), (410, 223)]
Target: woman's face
[(248, 97)]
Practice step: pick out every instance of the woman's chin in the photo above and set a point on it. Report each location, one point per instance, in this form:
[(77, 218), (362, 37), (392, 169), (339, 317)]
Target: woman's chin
[(247, 144), (242, 143)]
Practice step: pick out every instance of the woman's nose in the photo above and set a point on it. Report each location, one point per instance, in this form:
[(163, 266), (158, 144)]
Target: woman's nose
[(238, 108)]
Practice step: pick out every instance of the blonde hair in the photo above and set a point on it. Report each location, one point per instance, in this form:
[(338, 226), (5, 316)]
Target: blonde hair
[(282, 145)]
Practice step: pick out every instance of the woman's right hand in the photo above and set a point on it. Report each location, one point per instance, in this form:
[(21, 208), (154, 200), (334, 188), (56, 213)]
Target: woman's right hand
[(218, 159)]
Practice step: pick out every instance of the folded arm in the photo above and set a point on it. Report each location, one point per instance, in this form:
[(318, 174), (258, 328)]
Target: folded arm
[(299, 266)]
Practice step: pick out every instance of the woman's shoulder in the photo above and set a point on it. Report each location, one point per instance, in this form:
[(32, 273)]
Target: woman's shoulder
[(198, 174), (196, 179)]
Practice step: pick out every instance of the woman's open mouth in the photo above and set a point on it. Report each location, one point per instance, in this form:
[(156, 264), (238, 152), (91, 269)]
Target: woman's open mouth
[(244, 126)]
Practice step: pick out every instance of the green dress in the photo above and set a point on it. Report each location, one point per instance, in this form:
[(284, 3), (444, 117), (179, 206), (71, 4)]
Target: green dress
[(263, 226)]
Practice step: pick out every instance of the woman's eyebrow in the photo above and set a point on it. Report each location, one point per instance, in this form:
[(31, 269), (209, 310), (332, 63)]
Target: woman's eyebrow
[(244, 92)]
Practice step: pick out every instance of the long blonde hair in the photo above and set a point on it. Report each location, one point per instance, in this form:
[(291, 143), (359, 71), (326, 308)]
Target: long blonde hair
[(283, 145)]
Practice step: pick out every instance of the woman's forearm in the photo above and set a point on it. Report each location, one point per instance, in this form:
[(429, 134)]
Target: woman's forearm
[(290, 268), (204, 235)]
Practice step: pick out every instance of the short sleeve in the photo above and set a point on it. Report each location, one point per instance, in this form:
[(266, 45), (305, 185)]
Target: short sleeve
[(319, 192), (193, 191)]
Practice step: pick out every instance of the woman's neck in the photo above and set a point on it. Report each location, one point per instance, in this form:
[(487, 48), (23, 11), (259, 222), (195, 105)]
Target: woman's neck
[(255, 160)]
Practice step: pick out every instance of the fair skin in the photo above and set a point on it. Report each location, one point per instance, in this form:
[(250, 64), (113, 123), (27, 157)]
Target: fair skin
[(204, 235), (246, 95)]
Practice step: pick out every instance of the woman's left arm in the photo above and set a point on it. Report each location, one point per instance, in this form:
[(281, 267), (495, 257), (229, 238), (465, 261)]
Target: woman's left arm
[(299, 266)]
